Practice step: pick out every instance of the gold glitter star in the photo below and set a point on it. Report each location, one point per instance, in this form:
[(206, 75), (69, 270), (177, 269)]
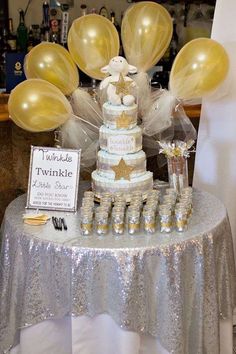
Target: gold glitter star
[(122, 86), (123, 121), (122, 170)]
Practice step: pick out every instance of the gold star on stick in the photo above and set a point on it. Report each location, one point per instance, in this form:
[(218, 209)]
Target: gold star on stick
[(122, 86), (122, 170), (123, 121)]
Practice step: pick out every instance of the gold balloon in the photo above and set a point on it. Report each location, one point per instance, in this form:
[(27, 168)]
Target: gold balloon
[(146, 33), (93, 41), (52, 62), (36, 105), (199, 67)]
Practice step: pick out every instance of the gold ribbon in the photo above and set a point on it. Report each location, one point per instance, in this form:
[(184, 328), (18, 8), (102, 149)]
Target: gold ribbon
[(134, 227), (150, 224), (86, 227), (118, 227), (102, 227), (181, 223)]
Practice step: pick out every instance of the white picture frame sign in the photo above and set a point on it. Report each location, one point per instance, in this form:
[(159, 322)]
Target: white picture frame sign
[(53, 178)]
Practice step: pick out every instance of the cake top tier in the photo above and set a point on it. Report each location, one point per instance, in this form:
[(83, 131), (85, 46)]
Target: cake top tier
[(119, 117)]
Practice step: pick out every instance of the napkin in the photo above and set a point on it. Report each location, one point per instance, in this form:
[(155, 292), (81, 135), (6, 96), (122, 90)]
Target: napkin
[(35, 219)]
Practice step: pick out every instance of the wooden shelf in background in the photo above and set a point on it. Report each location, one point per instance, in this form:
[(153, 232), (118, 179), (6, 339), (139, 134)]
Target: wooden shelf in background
[(4, 115), (191, 111)]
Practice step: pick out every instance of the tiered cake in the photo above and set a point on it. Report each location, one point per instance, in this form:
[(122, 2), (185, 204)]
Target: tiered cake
[(121, 162)]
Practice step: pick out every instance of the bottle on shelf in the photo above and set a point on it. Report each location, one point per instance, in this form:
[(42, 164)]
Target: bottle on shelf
[(45, 28), (64, 24), (36, 34), (54, 26), (113, 20), (30, 43), (22, 32), (84, 9), (11, 37), (103, 12), (4, 48)]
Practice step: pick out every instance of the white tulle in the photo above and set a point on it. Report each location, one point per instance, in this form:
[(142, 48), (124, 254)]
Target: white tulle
[(77, 134), (144, 93), (81, 131), (160, 114), (86, 107)]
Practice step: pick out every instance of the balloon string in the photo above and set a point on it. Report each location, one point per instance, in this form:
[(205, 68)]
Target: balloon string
[(85, 121)]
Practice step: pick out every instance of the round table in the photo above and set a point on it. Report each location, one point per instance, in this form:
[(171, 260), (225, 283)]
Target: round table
[(174, 287)]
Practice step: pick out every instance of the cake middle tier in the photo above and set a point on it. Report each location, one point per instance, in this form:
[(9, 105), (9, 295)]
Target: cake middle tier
[(120, 142), (106, 163)]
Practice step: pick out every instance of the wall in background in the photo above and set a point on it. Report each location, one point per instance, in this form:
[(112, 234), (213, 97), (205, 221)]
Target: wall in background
[(34, 14)]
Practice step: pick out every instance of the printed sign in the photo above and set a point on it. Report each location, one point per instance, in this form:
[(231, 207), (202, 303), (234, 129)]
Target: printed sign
[(121, 144), (53, 178)]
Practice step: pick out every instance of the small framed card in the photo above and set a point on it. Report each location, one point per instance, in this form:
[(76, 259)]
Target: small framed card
[(53, 178)]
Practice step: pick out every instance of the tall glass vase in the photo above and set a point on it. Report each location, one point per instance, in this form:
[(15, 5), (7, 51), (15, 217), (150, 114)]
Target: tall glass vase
[(178, 172)]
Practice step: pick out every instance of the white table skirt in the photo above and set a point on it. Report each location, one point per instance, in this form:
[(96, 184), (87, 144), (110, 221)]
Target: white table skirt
[(100, 335)]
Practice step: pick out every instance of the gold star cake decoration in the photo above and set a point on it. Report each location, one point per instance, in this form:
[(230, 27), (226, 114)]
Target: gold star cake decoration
[(123, 121), (122, 85), (122, 170)]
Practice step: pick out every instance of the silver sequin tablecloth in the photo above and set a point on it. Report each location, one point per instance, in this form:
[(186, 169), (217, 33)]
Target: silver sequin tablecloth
[(174, 286)]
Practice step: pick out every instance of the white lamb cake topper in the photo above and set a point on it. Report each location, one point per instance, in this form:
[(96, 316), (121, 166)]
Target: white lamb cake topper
[(118, 85)]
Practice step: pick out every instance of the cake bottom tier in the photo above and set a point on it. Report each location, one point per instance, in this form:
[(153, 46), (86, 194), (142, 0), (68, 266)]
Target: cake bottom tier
[(142, 184), (106, 161)]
